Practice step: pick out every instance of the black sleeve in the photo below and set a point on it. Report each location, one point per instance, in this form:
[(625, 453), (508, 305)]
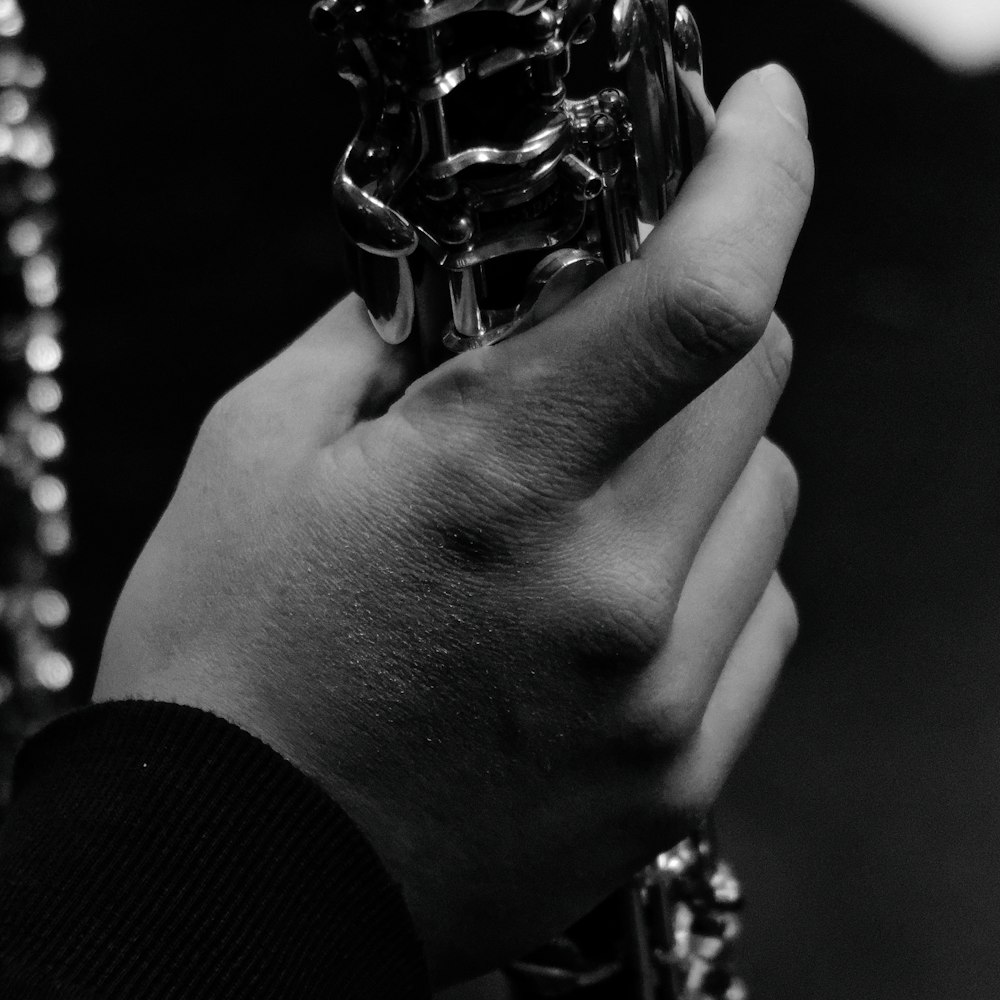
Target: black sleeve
[(156, 851)]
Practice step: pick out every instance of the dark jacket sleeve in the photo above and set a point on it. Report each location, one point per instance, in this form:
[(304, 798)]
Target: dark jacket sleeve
[(156, 851)]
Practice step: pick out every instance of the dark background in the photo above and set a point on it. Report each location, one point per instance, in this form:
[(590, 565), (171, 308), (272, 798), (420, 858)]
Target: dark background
[(197, 141)]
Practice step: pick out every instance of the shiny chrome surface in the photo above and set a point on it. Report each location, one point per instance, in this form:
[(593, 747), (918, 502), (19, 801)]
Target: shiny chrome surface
[(386, 284), (531, 137), (651, 90), (424, 15), (699, 115), (555, 280), (624, 33)]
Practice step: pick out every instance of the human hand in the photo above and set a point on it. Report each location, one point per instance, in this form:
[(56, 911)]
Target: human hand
[(520, 624)]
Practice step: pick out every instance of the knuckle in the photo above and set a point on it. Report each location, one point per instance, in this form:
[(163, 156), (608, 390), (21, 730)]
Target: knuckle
[(418, 448), (622, 613), (655, 725), (443, 422), (782, 481), (454, 394), (636, 634), (465, 448), (713, 314), (679, 719), (399, 435), (439, 422), (408, 458)]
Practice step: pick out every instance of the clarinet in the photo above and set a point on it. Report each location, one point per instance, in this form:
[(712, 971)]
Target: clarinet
[(509, 153)]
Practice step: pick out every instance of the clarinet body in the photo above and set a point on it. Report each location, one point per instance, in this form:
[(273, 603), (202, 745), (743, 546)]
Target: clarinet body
[(509, 153)]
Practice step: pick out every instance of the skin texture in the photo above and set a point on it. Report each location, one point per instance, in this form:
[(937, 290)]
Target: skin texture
[(521, 623)]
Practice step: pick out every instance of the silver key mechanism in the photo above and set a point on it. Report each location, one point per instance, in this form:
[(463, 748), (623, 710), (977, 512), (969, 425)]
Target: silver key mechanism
[(508, 151)]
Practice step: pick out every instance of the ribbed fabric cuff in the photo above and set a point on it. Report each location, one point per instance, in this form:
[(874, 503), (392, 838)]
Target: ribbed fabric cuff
[(157, 851)]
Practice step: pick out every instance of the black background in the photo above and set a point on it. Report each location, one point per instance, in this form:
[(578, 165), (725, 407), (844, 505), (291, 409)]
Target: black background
[(197, 140)]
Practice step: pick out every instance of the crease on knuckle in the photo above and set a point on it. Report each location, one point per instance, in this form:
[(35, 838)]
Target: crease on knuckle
[(437, 419), (397, 436), (464, 383), (713, 315), (623, 614), (444, 433)]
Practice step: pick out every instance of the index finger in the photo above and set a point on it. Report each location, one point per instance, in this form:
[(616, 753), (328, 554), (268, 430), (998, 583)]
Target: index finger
[(582, 390)]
